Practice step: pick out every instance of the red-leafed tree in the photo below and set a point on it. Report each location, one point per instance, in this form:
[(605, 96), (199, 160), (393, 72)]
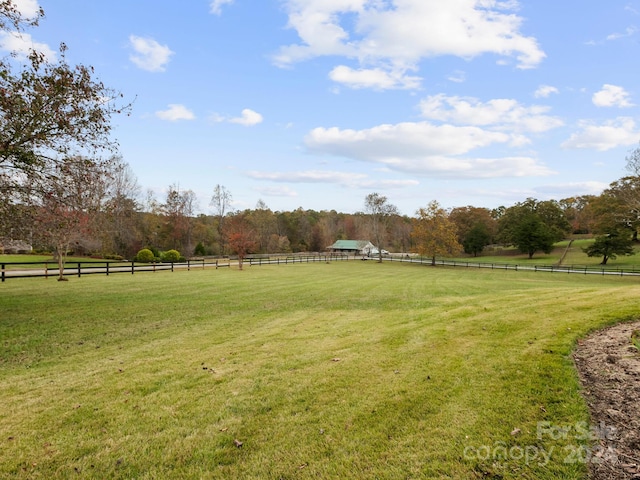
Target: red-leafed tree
[(68, 206), (241, 237)]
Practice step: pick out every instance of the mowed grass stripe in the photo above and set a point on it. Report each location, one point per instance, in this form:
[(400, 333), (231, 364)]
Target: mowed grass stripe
[(345, 370)]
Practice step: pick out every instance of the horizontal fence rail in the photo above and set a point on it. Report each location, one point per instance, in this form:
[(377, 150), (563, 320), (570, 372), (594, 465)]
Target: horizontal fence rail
[(287, 259), (582, 269), (79, 268)]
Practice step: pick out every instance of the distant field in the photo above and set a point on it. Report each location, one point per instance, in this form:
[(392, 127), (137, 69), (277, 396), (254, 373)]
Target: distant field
[(352, 370), (574, 256)]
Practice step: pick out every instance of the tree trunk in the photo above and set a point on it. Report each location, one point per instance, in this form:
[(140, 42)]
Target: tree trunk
[(62, 257)]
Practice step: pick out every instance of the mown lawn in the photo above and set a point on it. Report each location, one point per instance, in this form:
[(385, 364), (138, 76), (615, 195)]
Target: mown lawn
[(344, 370)]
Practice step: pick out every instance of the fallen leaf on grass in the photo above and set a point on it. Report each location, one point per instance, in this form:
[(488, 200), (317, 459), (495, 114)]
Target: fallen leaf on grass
[(515, 431), (237, 443), (335, 359)]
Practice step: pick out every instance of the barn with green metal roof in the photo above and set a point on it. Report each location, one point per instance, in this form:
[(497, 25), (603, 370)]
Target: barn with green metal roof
[(353, 247)]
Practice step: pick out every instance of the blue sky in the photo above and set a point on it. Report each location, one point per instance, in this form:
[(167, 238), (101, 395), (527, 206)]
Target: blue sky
[(317, 103)]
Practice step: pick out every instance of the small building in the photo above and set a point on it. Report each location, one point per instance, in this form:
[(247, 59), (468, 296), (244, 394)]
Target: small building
[(14, 246), (353, 247)]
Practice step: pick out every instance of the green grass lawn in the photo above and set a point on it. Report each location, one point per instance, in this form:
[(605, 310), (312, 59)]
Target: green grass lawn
[(350, 370)]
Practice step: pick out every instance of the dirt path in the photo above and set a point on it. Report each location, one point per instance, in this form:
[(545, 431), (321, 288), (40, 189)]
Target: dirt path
[(609, 368)]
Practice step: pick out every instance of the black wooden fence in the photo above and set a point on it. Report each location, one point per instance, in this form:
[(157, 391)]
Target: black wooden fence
[(79, 268)]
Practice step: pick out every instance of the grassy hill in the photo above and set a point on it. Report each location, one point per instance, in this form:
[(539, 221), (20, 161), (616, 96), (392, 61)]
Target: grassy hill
[(343, 370)]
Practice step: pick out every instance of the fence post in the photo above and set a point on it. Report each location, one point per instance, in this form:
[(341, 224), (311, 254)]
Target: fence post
[(3, 272), (132, 266), (172, 266), (79, 274), (107, 264)]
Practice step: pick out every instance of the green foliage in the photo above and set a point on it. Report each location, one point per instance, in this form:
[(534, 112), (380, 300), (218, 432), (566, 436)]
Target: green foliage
[(200, 250), (171, 256), (476, 239), (611, 245), (145, 256), (532, 234), (544, 220)]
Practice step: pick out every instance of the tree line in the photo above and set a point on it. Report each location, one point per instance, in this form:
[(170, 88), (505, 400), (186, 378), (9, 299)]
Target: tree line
[(64, 188)]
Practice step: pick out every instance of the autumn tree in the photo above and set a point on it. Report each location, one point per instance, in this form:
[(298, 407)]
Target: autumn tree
[(241, 236), (633, 162), (264, 224), (476, 227), (579, 212), (65, 209), (379, 210), (623, 196), (50, 111), (178, 210), (434, 234)]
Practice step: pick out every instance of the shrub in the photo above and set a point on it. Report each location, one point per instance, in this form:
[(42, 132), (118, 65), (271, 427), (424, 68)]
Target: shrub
[(171, 256), (200, 250), (145, 256)]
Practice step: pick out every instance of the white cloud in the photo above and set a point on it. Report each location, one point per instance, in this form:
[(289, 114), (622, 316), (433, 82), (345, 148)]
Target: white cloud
[(629, 32), (545, 91), (375, 78), (424, 148), (395, 36), (149, 54), (248, 118), (614, 133), (216, 5), (611, 96), (345, 179), (503, 114), (574, 188), (309, 176), (279, 191), (175, 112), (457, 77), (22, 44), (28, 8)]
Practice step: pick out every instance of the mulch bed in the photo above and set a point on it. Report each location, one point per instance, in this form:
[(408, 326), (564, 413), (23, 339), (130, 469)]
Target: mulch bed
[(609, 368)]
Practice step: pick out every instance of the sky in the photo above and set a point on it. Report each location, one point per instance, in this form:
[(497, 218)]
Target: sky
[(318, 103)]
